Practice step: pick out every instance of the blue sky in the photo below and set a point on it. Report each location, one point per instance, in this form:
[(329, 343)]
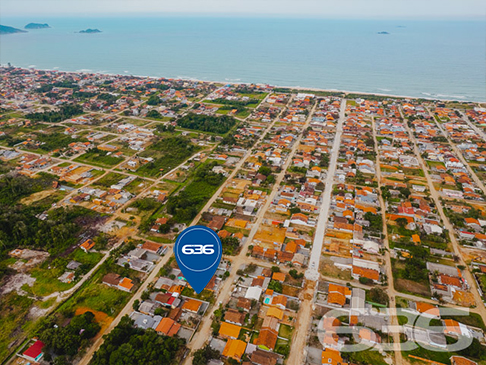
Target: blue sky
[(301, 8)]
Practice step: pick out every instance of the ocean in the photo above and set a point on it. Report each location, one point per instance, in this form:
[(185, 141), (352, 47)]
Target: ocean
[(442, 59)]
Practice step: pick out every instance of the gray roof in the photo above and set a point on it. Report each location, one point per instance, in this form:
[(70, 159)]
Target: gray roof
[(73, 265), (145, 321)]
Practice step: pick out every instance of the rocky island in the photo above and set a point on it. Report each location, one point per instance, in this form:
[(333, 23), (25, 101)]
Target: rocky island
[(37, 26), (90, 31), (4, 29)]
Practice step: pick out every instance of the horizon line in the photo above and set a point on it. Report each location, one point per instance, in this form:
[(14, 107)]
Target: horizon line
[(474, 17)]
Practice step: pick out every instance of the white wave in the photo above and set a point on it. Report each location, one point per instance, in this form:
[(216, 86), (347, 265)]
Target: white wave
[(451, 96), (84, 70), (32, 66), (384, 89)]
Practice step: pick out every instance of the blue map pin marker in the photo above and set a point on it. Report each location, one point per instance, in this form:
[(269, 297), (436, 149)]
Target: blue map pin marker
[(198, 252)]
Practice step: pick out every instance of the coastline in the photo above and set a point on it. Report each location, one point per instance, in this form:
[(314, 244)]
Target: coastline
[(302, 88)]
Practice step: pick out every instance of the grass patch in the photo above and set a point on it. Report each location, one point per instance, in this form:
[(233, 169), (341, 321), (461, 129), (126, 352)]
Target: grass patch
[(167, 153), (98, 157), (47, 281), (46, 304), (285, 331), (108, 180), (365, 357), (13, 314), (82, 257), (97, 296)]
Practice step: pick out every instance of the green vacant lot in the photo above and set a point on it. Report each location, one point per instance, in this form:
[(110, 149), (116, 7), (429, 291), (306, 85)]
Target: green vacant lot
[(98, 157), (167, 154)]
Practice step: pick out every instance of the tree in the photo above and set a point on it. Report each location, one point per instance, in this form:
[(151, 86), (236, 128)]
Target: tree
[(365, 281), (153, 100), (61, 360), (270, 179), (378, 295), (405, 192), (294, 210), (276, 286), (207, 123), (67, 340), (202, 356), (154, 114), (265, 170), (135, 346), (295, 274), (376, 221), (402, 222), (230, 245), (136, 304)]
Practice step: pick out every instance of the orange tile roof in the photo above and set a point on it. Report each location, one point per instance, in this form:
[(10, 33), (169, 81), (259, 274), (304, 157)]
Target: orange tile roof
[(450, 280), (267, 338), (279, 300), (224, 233), (275, 312), (337, 294), (126, 283), (168, 327), (229, 330), (332, 357), (452, 326), (366, 273), (151, 246), (460, 360), (429, 308), (88, 244), (279, 276), (192, 305), (234, 349)]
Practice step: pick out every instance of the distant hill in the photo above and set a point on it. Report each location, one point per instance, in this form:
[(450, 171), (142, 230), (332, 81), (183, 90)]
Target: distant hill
[(10, 30), (383, 33), (90, 31), (37, 26)]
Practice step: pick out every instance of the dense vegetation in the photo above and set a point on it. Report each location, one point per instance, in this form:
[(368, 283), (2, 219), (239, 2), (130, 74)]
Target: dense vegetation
[(376, 221), (202, 356), (154, 114), (67, 340), (188, 202), (19, 226), (109, 98), (236, 103), (377, 295), (54, 141), (129, 345), (206, 123), (153, 100), (416, 265), (230, 245), (173, 151), (99, 157), (64, 112)]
